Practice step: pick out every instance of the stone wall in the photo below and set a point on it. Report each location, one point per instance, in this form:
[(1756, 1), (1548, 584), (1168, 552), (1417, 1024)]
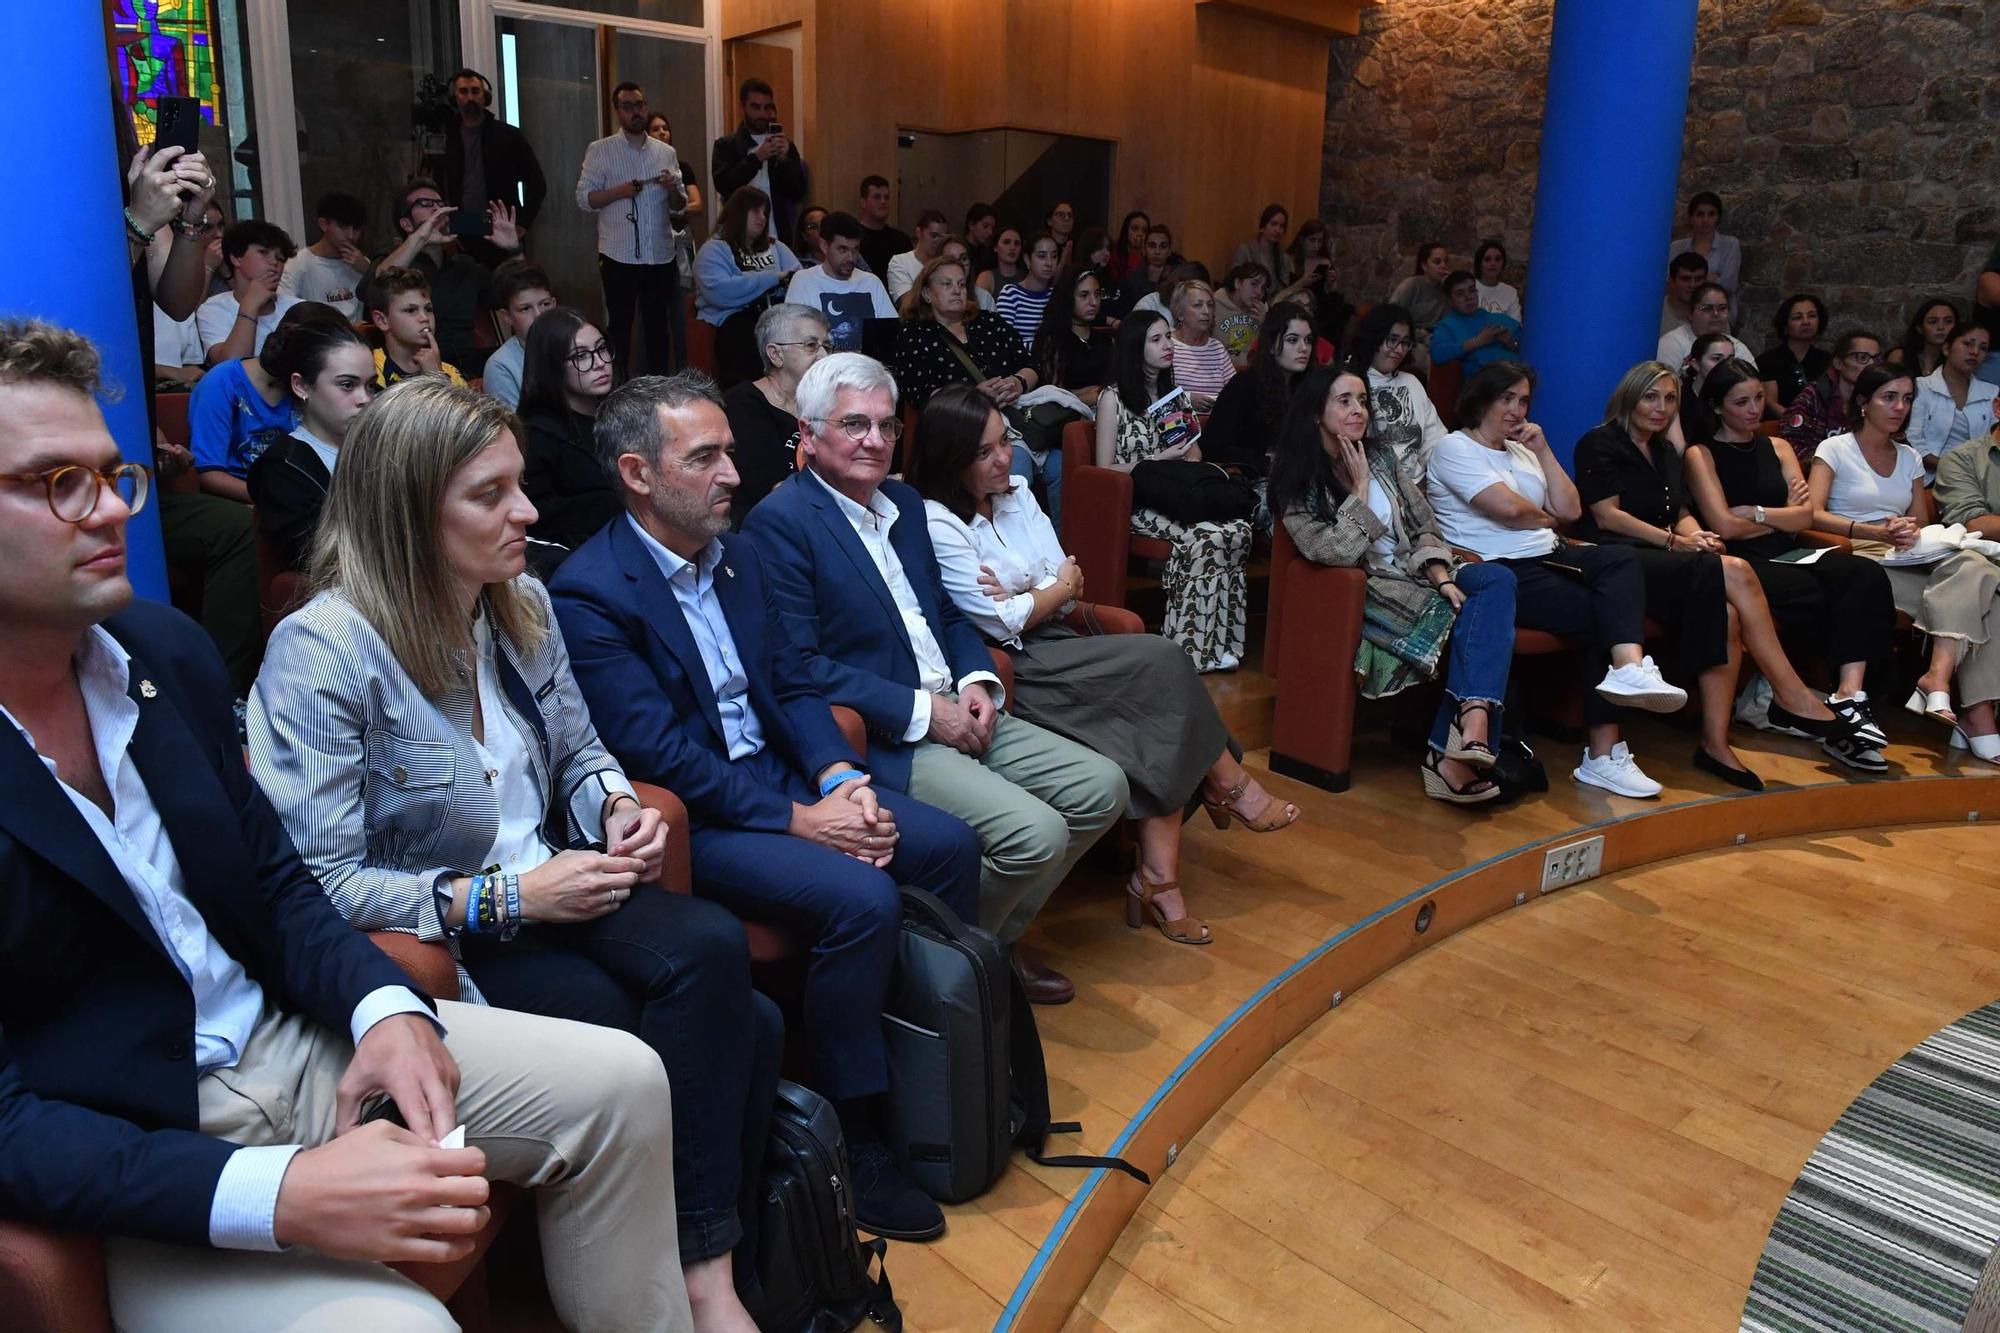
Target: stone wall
[(1852, 142)]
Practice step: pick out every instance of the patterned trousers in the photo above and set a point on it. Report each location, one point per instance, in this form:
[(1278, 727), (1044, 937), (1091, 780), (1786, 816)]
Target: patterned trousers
[(1207, 596)]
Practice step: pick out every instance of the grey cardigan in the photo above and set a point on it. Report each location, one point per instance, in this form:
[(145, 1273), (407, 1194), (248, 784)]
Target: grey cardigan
[(380, 787)]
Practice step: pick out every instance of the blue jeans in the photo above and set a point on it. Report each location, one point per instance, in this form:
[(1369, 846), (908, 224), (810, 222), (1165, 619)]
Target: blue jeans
[(1049, 469), (1482, 648)]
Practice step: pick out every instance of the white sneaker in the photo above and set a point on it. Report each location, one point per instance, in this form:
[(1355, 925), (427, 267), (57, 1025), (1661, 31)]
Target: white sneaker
[(1641, 686), (1615, 772)]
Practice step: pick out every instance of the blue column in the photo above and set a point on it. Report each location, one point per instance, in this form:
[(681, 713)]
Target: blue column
[(63, 233), (1604, 204)]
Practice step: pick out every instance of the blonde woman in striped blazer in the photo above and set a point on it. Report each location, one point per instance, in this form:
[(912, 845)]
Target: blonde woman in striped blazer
[(419, 731)]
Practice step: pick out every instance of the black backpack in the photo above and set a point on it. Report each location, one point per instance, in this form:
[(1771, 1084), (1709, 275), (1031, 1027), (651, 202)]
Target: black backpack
[(966, 1079), (812, 1271)]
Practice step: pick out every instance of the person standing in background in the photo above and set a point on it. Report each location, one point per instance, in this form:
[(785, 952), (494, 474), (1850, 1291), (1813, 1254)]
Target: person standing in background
[(488, 159), (880, 242), (1723, 253), (760, 153), (632, 182)]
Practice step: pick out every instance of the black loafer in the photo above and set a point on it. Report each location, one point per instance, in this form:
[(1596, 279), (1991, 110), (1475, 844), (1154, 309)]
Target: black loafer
[(886, 1203), (1735, 777), (1819, 729)]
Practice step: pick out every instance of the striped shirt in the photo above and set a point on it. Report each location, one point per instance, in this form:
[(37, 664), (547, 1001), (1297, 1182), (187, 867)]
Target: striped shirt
[(1202, 368), (1022, 308)]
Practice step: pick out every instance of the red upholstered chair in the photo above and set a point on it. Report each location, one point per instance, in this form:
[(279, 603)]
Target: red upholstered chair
[(170, 410), (1311, 633), (280, 588), (1446, 379), (1097, 518)]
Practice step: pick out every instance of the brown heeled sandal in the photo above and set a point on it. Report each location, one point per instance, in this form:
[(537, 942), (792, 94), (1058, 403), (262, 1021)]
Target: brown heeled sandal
[(1224, 810), (1139, 904)]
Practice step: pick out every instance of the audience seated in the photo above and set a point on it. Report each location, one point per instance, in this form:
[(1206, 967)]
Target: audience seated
[(239, 407), (932, 228), (1267, 248), (1131, 698), (1708, 313), (1401, 412), (1953, 404), (1021, 302), (401, 309), (806, 241), (1685, 272), (565, 377), (1921, 347), (764, 413), (687, 669), (1749, 490), (1498, 491), (1156, 300), (458, 282), (1633, 488), (326, 370), (1422, 295), (1489, 263), (857, 581), (880, 242), (740, 272), (1201, 364), (1093, 252), (233, 324), (981, 222), (1347, 498), (1820, 410), (1008, 262), (1723, 254), (1207, 596), (1868, 487), (329, 270), (1470, 334), (1694, 423), (1145, 277), (521, 293), (1794, 359), (1128, 247), (1318, 283), (958, 248), (942, 343), (1071, 351), (1239, 308), (193, 1033), (417, 728), (1242, 432), (1968, 492), (1061, 224), (846, 295)]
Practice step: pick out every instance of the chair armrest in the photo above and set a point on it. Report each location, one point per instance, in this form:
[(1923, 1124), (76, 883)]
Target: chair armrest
[(676, 870), (1095, 618), (852, 728), (1312, 722), (429, 965), (1837, 542), (52, 1281), (1097, 529)]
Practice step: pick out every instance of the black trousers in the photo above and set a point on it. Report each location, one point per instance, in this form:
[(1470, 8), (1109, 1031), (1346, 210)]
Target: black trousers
[(1594, 593), (652, 290), (1685, 593), (1844, 599), (676, 971)]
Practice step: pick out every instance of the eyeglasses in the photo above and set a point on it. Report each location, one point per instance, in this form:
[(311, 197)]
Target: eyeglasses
[(426, 203), (814, 347), (73, 489), (1712, 309), (811, 226), (1398, 342), (1863, 358), (583, 358), (628, 104), (856, 427)]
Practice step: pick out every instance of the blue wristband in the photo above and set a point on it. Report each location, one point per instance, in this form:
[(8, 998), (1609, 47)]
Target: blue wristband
[(833, 780)]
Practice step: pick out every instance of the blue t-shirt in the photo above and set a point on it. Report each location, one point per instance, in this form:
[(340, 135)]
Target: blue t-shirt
[(227, 419), (1450, 334)]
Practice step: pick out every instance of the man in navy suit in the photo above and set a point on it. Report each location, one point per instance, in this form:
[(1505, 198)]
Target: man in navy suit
[(189, 1031), (693, 683), (850, 557)]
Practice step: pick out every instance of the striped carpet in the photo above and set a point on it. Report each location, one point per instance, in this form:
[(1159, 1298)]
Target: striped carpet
[(1896, 1213)]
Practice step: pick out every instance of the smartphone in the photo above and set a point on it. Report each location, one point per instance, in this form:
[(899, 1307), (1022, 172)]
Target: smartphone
[(178, 124), (470, 222), (775, 128)]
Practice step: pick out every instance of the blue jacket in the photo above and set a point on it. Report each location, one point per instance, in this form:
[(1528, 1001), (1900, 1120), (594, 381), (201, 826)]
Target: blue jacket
[(839, 610), (1450, 334), (648, 691), (99, 1123)]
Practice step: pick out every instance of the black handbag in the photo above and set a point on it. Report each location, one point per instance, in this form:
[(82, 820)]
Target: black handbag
[(1516, 770), (1190, 492)]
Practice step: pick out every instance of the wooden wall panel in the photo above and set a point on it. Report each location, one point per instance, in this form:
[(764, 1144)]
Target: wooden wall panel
[(1216, 111)]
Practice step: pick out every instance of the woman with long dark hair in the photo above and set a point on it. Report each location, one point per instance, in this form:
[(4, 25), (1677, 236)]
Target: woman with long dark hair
[(1489, 267), (1921, 347), (1128, 247), (1243, 429), (1008, 264), (1267, 247), (1345, 499), (1133, 698), (1794, 359), (1317, 283), (739, 272), (330, 375), (1070, 350), (1401, 411), (565, 376), (1422, 295)]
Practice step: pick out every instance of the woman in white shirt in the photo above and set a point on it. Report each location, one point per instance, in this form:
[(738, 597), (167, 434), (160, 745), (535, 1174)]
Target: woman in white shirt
[(1499, 491), (1953, 404), (1404, 417), (1723, 253), (1869, 488), (1133, 698), (1489, 262)]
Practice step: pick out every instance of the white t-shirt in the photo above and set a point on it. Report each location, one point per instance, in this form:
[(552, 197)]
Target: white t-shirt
[(1677, 342), (1859, 491), (1459, 468), (1500, 298), (903, 271), (845, 302), (176, 342), (313, 278), (1381, 551), (216, 318), (1405, 418)]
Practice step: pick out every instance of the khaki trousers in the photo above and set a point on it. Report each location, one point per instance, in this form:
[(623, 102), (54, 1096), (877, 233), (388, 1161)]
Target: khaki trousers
[(579, 1114)]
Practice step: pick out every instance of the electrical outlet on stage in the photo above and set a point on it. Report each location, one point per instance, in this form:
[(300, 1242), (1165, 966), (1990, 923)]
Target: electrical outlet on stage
[(1572, 863)]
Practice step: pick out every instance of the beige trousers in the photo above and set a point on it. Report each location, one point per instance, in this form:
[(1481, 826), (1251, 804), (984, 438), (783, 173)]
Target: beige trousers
[(579, 1114)]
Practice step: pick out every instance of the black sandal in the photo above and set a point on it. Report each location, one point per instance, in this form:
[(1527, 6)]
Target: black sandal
[(1474, 754), (1439, 788)]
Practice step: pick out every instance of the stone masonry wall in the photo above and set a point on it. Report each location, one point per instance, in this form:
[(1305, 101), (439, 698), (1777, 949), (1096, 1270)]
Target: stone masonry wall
[(1852, 142)]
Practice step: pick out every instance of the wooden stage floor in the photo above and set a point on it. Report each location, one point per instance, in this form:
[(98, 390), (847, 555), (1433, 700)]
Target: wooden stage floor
[(1192, 1261)]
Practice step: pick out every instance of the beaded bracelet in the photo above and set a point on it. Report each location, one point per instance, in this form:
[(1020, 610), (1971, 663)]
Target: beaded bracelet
[(511, 906)]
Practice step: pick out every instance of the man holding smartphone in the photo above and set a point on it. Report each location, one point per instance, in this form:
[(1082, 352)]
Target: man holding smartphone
[(632, 182), (762, 154), (430, 229)]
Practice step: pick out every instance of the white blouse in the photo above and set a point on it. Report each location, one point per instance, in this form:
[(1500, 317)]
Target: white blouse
[(1459, 468), (519, 846), (1018, 544), (1860, 492)]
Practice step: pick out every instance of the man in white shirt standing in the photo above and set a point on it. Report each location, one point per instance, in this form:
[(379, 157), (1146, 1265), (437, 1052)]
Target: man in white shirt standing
[(1708, 312), (848, 295), (329, 270), (932, 231), (633, 183)]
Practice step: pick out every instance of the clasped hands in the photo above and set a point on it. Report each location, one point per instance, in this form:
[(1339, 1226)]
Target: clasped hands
[(851, 819)]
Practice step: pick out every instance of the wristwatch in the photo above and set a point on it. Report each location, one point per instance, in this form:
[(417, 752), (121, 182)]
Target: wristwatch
[(1760, 514)]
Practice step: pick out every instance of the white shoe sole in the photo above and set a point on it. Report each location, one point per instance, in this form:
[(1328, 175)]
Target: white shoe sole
[(1652, 701), (1590, 779)]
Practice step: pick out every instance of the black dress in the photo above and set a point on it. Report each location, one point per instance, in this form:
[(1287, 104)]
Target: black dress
[(1080, 363), (1237, 434), (1684, 589), (767, 446), (572, 494), (1843, 600)]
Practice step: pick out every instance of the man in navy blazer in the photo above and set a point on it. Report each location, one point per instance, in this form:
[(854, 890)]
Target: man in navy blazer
[(850, 558), (188, 1028), (692, 683)]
